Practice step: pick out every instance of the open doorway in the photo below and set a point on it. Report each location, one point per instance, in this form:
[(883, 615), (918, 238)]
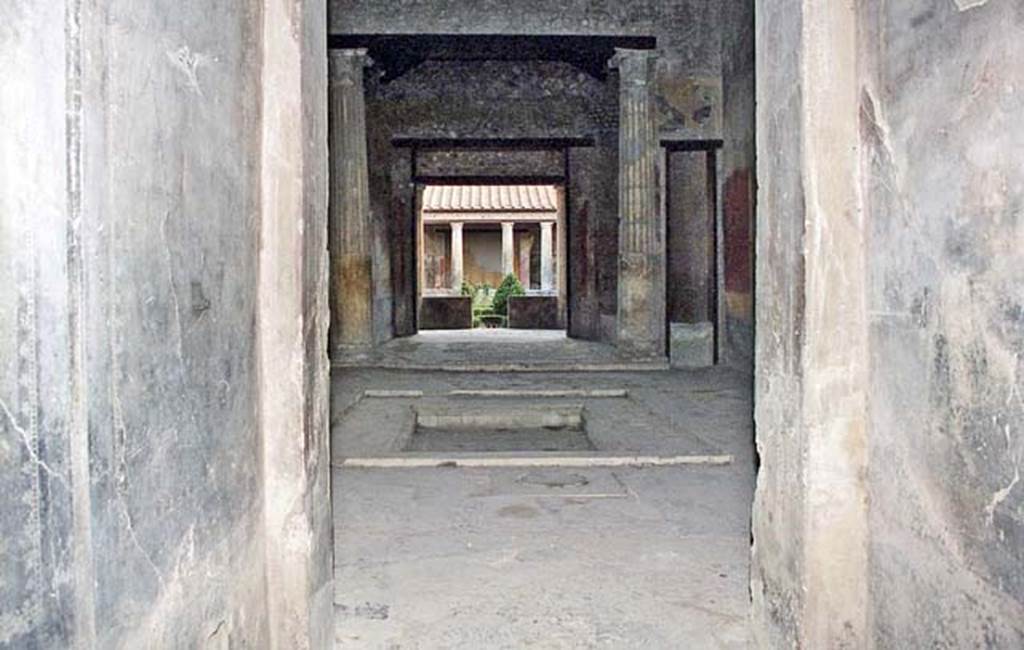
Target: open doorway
[(491, 257), (522, 487)]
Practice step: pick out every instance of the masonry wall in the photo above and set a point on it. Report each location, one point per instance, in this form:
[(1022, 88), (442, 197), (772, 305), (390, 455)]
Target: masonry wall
[(687, 29), (132, 511), (688, 237), (38, 537), (777, 564), (170, 241), (941, 110), (889, 505), (739, 182)]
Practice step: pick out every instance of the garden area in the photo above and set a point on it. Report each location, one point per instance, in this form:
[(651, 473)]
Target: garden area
[(490, 305)]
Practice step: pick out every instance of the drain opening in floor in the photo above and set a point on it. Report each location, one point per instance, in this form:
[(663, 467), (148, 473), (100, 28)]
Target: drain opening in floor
[(525, 429)]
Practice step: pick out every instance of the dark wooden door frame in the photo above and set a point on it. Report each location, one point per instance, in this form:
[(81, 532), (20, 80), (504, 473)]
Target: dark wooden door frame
[(710, 149), (417, 145)]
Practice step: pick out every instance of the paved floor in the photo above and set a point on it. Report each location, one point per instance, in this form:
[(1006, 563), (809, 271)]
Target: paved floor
[(659, 413), (630, 557), (497, 350)]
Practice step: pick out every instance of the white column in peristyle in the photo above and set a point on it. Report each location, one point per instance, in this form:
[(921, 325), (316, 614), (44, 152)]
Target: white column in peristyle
[(547, 256), (457, 251), (508, 263)]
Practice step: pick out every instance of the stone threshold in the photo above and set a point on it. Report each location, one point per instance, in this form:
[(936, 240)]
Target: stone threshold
[(628, 366), (529, 459), (526, 393)]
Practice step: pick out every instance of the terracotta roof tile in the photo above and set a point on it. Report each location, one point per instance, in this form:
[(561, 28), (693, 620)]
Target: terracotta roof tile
[(481, 198)]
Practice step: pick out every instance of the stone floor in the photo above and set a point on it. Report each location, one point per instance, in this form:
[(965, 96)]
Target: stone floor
[(498, 349), (552, 557)]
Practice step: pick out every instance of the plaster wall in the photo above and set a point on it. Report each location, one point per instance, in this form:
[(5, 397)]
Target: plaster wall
[(132, 432), (688, 237), (777, 565), (436, 253), (482, 254), (292, 324), (39, 427), (737, 200), (154, 213), (940, 106), (810, 527), (891, 461)]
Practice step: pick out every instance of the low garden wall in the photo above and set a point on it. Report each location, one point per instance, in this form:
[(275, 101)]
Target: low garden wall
[(534, 313), (446, 313)]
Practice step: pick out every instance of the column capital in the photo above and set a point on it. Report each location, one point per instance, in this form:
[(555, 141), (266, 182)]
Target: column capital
[(634, 65), (456, 225), (345, 64)]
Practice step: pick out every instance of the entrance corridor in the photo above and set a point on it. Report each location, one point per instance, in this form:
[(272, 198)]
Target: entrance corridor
[(542, 552)]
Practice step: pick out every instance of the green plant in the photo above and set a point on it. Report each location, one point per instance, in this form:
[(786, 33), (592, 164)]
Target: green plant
[(467, 289), (483, 295), (510, 286)]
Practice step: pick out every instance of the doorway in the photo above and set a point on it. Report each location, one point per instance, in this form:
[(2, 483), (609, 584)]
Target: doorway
[(491, 257), (484, 473)]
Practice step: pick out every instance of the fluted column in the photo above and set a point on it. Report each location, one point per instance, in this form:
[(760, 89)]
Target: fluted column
[(547, 257), (457, 256), (508, 247), (350, 229), (641, 285)]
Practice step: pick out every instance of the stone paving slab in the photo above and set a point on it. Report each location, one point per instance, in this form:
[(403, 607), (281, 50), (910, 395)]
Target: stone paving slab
[(597, 558), (499, 350)]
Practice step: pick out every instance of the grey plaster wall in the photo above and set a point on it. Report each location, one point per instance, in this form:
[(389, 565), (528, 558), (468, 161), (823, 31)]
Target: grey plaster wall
[(944, 185), (777, 566), (170, 242), (889, 326), (38, 538), (293, 319), (132, 511), (810, 520)]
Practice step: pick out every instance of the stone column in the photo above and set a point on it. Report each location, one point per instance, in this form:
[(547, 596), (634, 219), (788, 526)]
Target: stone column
[(547, 256), (508, 247), (349, 230), (641, 283), (457, 256)]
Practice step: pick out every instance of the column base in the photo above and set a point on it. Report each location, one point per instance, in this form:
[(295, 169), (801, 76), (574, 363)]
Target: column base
[(350, 353), (641, 350), (640, 321)]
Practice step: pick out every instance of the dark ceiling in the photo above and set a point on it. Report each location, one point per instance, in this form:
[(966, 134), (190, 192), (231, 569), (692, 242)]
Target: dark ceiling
[(396, 54)]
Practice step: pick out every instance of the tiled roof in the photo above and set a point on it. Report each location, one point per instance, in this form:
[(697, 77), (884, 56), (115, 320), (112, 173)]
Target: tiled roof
[(482, 198)]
